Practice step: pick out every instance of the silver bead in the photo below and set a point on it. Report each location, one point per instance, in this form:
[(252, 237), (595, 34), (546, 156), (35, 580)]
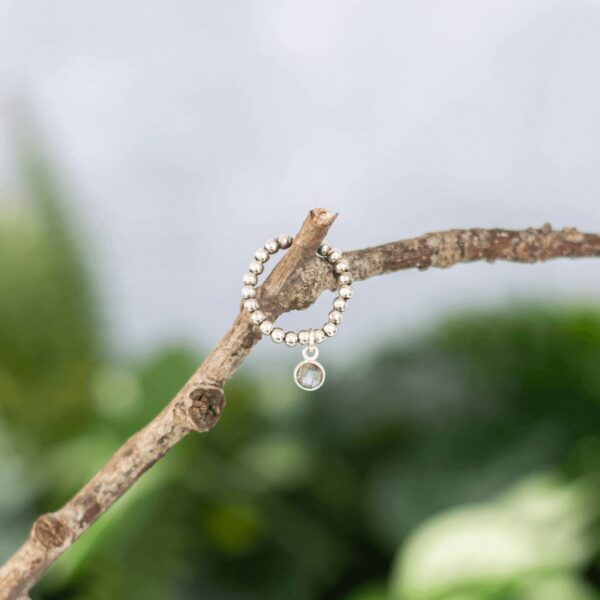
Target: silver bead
[(251, 304), (291, 338), (266, 327), (319, 336), (285, 241), (261, 255), (324, 249), (277, 335), (340, 304), (271, 246), (335, 316), (256, 267), (250, 279), (248, 291), (258, 316), (345, 291), (341, 266), (334, 256), (345, 278), (303, 337), (330, 329)]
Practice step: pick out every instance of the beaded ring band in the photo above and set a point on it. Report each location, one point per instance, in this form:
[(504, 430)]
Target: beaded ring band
[(309, 374)]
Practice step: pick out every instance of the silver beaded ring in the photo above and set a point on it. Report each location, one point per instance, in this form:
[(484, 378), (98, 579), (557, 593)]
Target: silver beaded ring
[(309, 374)]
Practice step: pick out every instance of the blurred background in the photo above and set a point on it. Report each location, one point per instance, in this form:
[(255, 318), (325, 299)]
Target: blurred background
[(147, 150)]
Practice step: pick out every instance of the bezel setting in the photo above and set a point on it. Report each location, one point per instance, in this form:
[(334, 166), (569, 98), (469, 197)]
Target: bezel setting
[(312, 363)]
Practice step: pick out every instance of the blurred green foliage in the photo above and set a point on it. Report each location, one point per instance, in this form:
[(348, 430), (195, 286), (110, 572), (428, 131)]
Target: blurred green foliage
[(459, 465), (47, 329)]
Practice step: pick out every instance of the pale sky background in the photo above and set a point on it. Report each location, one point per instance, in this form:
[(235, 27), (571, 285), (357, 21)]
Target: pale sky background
[(188, 132)]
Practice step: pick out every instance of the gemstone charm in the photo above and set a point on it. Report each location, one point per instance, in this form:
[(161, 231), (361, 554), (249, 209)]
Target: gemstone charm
[(309, 374)]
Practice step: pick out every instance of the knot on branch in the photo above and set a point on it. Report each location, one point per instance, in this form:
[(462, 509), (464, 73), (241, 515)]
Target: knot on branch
[(304, 288), (205, 407), (50, 531)]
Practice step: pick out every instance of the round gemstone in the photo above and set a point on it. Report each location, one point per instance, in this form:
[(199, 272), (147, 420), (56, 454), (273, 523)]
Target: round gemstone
[(309, 375)]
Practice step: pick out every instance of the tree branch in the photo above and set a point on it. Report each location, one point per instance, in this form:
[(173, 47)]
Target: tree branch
[(295, 283), (444, 249)]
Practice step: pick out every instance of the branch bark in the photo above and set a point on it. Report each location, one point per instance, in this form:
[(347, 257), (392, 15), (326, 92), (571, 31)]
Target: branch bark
[(295, 283)]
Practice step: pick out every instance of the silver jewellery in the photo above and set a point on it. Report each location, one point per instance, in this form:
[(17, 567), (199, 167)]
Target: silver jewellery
[(308, 374)]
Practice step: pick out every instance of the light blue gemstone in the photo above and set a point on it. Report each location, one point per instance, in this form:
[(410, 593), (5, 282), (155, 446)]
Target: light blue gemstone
[(309, 375)]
